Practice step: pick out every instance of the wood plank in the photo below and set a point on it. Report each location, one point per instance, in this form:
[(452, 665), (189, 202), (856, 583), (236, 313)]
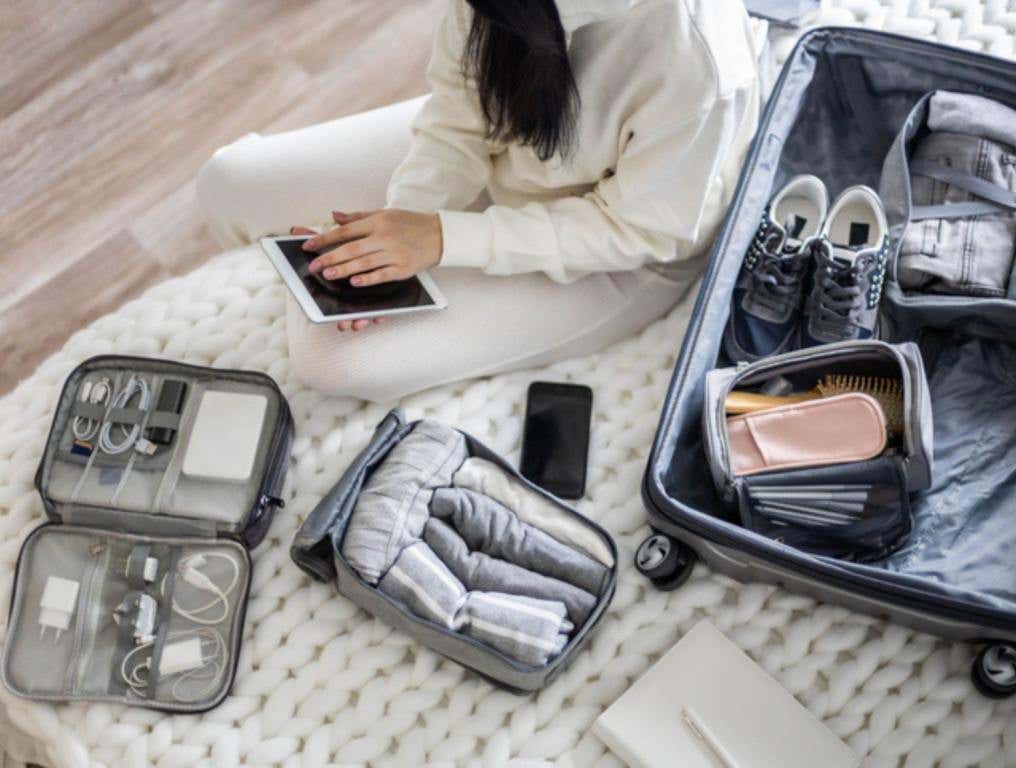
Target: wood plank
[(131, 85), (41, 322), (48, 42), (114, 184)]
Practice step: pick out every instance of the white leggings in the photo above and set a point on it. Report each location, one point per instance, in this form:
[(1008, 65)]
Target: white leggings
[(265, 184)]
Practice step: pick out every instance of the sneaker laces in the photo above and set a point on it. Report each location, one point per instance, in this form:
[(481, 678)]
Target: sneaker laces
[(777, 276), (839, 285)]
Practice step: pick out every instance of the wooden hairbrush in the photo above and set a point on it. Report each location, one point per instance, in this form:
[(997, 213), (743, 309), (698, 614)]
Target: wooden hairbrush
[(888, 392)]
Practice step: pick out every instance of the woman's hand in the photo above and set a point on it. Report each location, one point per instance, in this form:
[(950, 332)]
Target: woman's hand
[(344, 325), (377, 246)]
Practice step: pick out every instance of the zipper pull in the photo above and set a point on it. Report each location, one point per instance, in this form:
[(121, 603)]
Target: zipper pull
[(273, 501), (742, 365)]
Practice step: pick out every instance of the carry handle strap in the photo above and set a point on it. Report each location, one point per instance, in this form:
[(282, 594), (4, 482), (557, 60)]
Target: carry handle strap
[(954, 210), (998, 198)]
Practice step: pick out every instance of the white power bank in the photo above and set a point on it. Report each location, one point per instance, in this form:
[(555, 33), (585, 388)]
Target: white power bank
[(224, 440), (706, 704)]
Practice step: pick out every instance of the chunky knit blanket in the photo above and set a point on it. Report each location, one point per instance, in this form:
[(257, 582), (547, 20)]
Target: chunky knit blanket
[(321, 682)]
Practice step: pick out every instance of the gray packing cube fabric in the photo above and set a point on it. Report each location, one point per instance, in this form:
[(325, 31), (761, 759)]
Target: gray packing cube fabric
[(842, 103), (318, 550), (110, 601), (949, 185), (967, 249)]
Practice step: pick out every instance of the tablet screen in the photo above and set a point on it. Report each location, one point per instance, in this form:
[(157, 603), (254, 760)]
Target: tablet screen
[(341, 298)]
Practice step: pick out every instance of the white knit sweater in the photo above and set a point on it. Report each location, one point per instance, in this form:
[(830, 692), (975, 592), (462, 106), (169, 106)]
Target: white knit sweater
[(669, 103)]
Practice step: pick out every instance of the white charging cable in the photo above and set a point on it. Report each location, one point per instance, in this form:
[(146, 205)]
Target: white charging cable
[(188, 656), (96, 393), (138, 387), (189, 569)]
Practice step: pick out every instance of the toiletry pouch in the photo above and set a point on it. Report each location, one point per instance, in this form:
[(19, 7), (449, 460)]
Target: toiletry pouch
[(438, 536), (798, 434), (135, 589), (831, 474)]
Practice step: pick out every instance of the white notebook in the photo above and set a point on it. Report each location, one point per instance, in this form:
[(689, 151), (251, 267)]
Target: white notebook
[(706, 704)]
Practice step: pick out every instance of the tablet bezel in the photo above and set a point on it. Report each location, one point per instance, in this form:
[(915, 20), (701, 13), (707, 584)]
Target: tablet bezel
[(296, 287)]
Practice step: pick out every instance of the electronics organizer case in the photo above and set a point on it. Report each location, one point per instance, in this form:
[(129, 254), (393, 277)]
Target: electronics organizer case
[(836, 111), (317, 550), (106, 512)]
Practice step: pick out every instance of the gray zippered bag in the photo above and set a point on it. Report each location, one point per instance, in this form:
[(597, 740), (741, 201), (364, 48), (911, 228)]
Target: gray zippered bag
[(317, 549), (135, 590)]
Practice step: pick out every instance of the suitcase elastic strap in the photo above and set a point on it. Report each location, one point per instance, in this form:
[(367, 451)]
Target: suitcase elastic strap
[(994, 199)]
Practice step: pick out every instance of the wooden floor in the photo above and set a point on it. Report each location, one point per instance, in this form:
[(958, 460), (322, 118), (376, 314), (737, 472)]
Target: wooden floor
[(109, 107)]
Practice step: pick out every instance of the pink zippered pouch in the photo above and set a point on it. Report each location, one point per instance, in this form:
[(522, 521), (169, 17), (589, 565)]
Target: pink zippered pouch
[(817, 433)]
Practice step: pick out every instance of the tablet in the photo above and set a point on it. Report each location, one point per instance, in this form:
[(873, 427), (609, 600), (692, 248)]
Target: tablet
[(327, 301)]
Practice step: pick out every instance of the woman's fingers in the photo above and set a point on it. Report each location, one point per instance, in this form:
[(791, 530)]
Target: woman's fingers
[(350, 251), (345, 218), (383, 275), (356, 266), (358, 325), (340, 234), (301, 231)]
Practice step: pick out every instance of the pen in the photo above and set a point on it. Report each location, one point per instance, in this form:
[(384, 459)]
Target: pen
[(703, 734)]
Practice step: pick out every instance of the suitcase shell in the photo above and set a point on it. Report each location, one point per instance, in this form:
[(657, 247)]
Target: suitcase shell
[(835, 111)]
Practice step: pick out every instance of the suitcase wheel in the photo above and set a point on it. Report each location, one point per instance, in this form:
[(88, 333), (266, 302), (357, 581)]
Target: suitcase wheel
[(994, 672), (666, 562)]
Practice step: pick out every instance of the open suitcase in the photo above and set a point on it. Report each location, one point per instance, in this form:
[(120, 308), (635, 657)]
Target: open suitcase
[(837, 110)]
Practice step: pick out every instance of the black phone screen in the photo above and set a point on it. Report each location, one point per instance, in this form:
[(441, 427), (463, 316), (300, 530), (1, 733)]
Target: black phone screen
[(555, 445)]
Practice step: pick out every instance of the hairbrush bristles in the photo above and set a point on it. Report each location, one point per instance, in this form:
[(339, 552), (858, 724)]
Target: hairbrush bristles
[(888, 392)]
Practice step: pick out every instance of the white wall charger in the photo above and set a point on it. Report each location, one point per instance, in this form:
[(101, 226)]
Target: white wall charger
[(181, 656), (56, 607)]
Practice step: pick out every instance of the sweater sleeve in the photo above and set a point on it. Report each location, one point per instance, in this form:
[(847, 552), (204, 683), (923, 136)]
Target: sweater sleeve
[(449, 161), (661, 204)]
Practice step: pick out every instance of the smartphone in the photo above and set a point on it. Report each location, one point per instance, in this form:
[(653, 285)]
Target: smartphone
[(555, 442)]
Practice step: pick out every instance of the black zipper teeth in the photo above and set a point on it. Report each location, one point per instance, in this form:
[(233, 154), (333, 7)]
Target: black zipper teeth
[(680, 375)]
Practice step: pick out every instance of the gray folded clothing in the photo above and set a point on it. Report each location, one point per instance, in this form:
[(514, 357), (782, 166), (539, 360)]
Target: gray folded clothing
[(393, 506), (478, 571), (529, 630), (488, 526), (965, 159)]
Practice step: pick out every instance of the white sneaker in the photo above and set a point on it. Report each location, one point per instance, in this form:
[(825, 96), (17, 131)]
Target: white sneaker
[(850, 262), (766, 307)]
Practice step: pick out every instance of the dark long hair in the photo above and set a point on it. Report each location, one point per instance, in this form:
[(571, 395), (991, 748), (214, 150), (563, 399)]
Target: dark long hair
[(517, 52)]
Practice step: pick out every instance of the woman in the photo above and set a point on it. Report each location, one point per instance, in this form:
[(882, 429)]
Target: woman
[(565, 177)]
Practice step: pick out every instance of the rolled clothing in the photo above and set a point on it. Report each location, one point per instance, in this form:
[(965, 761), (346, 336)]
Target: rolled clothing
[(489, 479), (481, 572), (487, 526), (393, 505), (528, 630)]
